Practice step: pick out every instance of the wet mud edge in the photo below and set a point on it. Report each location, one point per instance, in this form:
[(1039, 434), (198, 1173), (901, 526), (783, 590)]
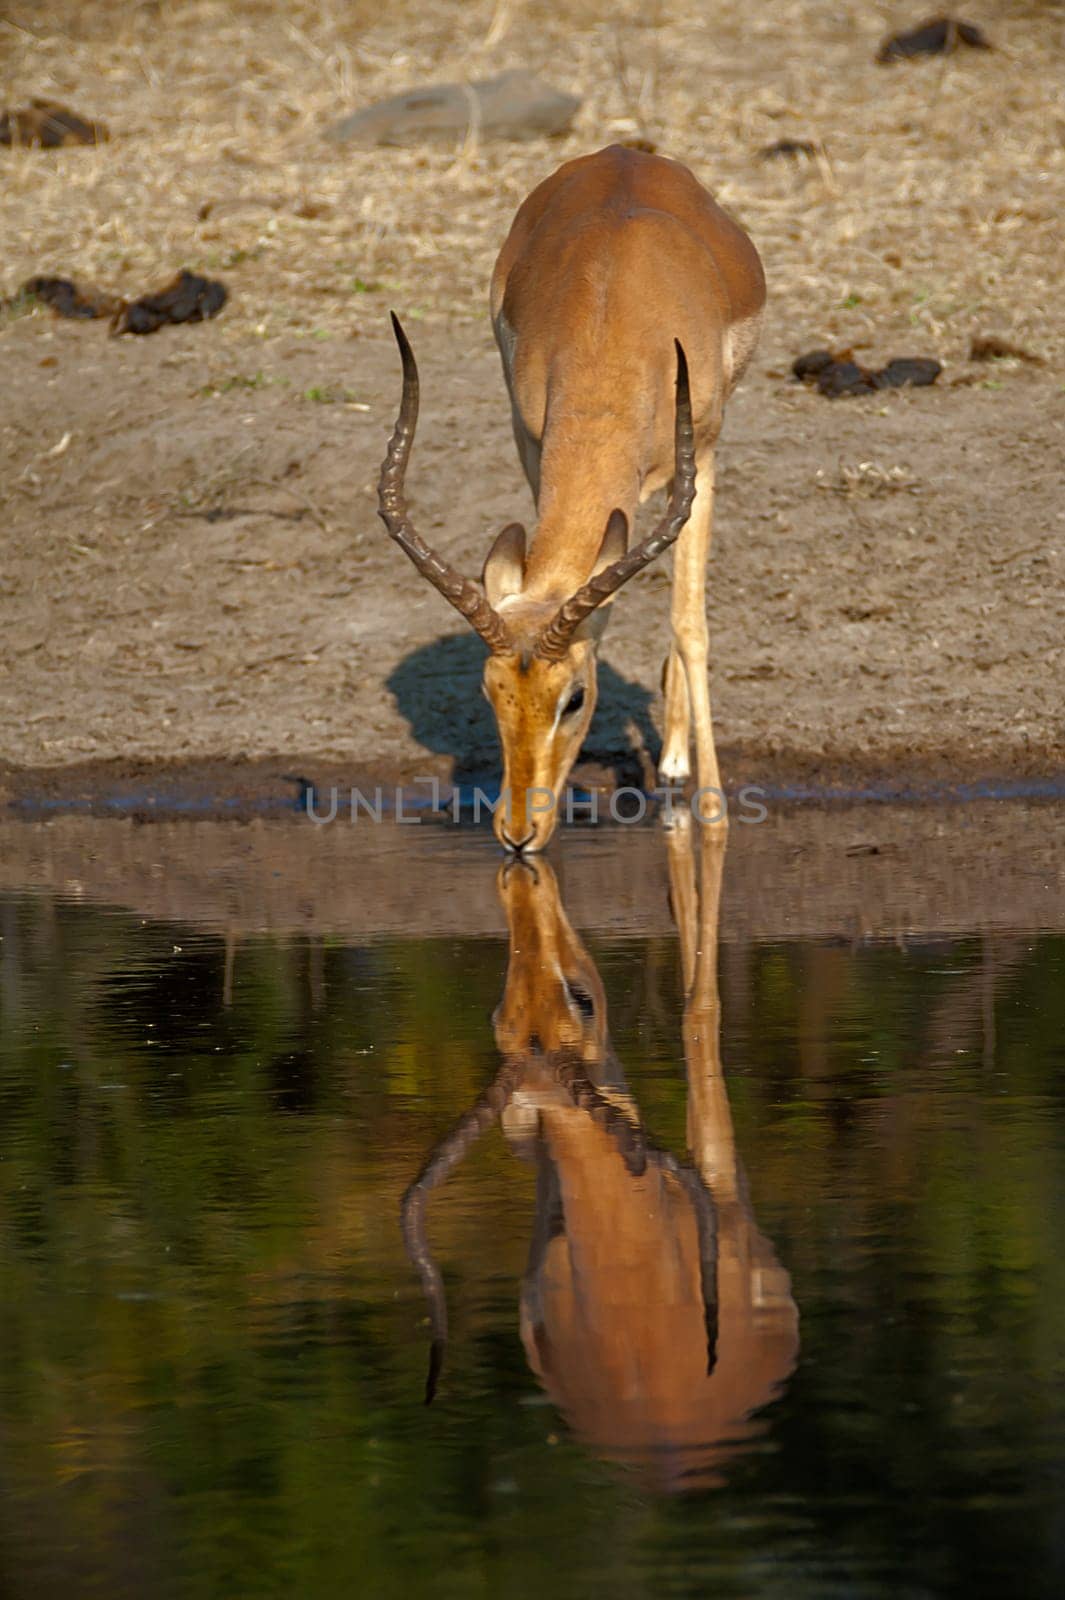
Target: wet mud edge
[(242, 789)]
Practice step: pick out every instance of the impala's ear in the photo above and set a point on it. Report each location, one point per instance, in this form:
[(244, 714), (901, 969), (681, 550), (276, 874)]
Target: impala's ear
[(504, 570), (615, 541)]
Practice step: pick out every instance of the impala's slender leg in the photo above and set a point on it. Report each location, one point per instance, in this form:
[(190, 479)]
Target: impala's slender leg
[(751, 1282), (695, 872), (690, 645), (674, 765)]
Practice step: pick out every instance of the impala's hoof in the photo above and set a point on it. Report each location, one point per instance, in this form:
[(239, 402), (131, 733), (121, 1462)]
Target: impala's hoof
[(673, 769), (677, 819)]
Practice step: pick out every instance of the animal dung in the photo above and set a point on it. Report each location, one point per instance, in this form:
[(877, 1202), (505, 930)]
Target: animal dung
[(308, 209), (186, 298), (513, 105), (790, 150), (45, 125), (939, 36), (808, 367), (69, 299), (837, 375), (915, 372), (988, 347)]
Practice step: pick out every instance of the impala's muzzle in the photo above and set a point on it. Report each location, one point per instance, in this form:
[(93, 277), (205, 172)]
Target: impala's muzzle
[(517, 845), (525, 819)]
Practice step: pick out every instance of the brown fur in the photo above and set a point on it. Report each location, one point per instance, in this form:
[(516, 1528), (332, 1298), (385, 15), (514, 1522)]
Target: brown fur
[(615, 1324), (654, 1310), (608, 262)]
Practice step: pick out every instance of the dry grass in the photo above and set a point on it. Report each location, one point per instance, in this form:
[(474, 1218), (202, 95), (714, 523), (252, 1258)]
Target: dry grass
[(936, 213)]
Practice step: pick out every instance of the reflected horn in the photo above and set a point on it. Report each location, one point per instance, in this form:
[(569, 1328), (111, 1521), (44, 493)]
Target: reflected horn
[(445, 1158)]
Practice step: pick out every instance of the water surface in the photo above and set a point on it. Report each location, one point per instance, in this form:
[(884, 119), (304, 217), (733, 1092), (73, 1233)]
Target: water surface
[(215, 1346)]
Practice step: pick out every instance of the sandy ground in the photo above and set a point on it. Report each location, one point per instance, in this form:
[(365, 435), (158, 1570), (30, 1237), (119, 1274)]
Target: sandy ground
[(193, 568)]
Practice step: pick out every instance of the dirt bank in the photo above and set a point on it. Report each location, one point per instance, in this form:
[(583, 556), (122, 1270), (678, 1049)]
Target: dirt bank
[(893, 872), (193, 568), (205, 575)]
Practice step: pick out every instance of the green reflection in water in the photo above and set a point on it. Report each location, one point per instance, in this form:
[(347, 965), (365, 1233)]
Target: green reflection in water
[(213, 1344)]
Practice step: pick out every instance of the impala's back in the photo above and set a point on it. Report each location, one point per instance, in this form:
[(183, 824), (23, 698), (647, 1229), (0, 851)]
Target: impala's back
[(608, 262)]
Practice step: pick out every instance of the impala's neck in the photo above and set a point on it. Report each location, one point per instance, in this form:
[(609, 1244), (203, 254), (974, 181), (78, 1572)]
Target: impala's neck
[(589, 467)]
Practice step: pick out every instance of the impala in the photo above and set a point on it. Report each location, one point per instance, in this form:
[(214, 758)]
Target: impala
[(653, 1309), (619, 275)]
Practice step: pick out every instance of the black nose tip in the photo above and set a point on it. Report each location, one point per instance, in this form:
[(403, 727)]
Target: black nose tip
[(517, 845)]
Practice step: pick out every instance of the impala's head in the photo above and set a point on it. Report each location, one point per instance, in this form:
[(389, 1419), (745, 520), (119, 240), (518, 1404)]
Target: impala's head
[(554, 1004), (540, 675), (542, 688), (542, 710)]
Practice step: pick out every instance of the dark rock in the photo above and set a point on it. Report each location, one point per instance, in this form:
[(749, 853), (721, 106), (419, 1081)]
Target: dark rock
[(809, 365), (187, 298), (837, 374), (918, 371), (841, 378)]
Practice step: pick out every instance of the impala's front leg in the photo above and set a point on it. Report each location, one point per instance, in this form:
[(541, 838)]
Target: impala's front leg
[(674, 766), (690, 652)]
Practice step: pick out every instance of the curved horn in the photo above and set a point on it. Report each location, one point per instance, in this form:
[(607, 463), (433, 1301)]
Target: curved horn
[(554, 641), (392, 509), (441, 1163), (705, 1208)]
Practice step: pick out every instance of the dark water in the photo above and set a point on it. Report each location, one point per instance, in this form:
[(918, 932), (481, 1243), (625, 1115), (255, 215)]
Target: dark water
[(214, 1346)]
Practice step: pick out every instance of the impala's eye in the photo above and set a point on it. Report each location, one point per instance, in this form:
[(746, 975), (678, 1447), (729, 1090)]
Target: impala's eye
[(574, 703)]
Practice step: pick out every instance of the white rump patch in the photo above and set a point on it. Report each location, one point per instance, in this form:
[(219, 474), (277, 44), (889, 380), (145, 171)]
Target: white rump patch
[(740, 342)]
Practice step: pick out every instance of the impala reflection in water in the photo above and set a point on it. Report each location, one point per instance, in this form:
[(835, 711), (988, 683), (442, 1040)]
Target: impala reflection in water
[(653, 1310)]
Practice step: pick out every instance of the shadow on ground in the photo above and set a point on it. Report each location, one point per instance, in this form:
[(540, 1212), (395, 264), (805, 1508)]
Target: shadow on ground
[(438, 689)]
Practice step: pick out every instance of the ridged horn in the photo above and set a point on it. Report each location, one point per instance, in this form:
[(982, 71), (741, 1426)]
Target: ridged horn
[(463, 594), (441, 1163)]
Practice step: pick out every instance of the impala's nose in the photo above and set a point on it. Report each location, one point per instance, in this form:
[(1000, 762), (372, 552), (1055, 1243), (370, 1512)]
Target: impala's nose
[(517, 845)]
